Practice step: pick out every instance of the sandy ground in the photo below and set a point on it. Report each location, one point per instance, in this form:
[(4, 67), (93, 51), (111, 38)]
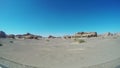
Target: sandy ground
[(61, 53)]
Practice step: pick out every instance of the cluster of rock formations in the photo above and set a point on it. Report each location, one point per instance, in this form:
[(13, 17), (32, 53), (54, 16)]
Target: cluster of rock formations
[(50, 36), (90, 34), (83, 34), (76, 35), (28, 36), (108, 34), (23, 36)]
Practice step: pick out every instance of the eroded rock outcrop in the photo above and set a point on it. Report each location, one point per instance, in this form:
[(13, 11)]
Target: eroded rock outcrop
[(107, 34), (50, 36), (85, 34), (19, 36), (3, 34), (28, 36), (11, 36), (31, 36), (67, 37)]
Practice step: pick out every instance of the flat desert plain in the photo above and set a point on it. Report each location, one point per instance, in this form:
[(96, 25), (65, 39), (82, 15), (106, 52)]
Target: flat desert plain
[(61, 53)]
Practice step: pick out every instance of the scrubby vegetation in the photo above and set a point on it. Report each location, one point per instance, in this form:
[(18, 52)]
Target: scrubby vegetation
[(114, 37), (47, 40), (79, 40), (11, 42), (1, 44)]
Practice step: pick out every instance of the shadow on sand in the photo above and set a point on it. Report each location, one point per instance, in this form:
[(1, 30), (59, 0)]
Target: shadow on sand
[(2, 66), (118, 66)]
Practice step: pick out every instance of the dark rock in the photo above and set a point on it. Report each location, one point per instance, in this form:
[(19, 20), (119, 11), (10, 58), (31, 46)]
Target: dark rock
[(85, 34), (50, 36), (29, 37), (3, 66), (11, 36), (67, 37), (2, 34), (19, 36), (108, 34)]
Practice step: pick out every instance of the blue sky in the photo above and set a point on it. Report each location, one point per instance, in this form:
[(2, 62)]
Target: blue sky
[(59, 17)]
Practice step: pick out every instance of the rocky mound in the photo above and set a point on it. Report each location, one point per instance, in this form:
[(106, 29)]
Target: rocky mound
[(3, 34)]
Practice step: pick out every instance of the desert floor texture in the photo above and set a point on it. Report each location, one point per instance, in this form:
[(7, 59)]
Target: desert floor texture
[(61, 53)]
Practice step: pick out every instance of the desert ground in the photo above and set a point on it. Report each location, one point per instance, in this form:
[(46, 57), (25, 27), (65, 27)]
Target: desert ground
[(98, 52)]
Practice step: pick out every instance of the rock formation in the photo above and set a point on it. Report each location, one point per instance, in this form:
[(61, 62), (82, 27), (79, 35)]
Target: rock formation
[(11, 36), (28, 37), (85, 34), (50, 36), (67, 37), (107, 34), (117, 34), (3, 34), (19, 36), (31, 36)]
